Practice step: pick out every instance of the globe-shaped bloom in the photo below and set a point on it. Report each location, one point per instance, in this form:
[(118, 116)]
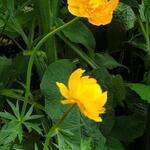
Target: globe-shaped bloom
[(98, 12), (86, 93)]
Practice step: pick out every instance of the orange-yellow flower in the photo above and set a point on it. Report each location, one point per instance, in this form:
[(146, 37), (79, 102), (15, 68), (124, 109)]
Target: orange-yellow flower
[(86, 93), (98, 12)]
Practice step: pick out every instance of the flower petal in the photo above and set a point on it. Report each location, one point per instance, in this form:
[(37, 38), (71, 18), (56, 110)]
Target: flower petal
[(98, 12), (63, 90), (78, 8), (88, 80), (100, 18), (81, 106), (103, 15), (102, 110), (76, 75), (89, 92), (93, 107), (112, 4), (103, 99), (94, 117), (86, 93), (74, 82)]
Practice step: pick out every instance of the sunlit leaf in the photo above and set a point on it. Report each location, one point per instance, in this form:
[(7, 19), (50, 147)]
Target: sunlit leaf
[(141, 89)]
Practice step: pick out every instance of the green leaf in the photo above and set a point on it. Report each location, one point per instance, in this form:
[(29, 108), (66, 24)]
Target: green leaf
[(132, 3), (92, 130), (114, 144), (11, 93), (34, 126), (141, 89), (20, 63), (7, 115), (70, 129), (139, 43), (79, 51), (15, 109), (29, 143), (13, 23), (4, 147), (46, 21), (119, 89), (127, 128), (34, 117), (18, 147), (105, 80), (79, 33), (11, 131), (146, 4), (28, 114), (60, 71), (125, 16), (36, 147), (85, 144), (5, 65), (63, 142), (105, 60)]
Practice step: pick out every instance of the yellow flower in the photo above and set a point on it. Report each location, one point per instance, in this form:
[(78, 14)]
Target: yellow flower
[(86, 93), (98, 12)]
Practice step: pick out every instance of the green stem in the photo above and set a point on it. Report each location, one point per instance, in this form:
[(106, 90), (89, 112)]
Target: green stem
[(21, 32), (142, 28), (31, 60), (9, 93), (46, 19), (52, 131), (17, 44), (148, 36), (54, 9), (148, 129), (146, 33)]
